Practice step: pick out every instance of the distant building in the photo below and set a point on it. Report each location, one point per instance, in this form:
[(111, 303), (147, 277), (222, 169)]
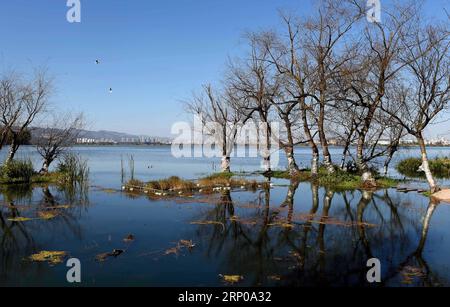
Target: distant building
[(384, 142), (438, 142), (408, 142), (128, 140)]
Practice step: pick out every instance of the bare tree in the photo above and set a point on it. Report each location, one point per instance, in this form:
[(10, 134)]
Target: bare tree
[(383, 139), (288, 59), (12, 94), (308, 59), (423, 92), (255, 82), (342, 126), (219, 117), (22, 101), (324, 35), (372, 71), (395, 133), (284, 101), (57, 136), (289, 115)]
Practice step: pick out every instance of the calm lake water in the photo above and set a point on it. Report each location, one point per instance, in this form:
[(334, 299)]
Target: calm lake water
[(237, 233)]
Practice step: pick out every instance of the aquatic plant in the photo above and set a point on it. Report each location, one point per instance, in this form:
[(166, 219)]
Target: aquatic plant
[(52, 257), (17, 171), (47, 215), (228, 180), (231, 279), (20, 219), (171, 183), (73, 169), (215, 182)]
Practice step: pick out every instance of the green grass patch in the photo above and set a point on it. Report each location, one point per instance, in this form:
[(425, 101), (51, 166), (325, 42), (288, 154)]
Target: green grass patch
[(50, 178), (340, 180), (71, 170), (440, 167), (427, 194), (19, 172), (280, 175)]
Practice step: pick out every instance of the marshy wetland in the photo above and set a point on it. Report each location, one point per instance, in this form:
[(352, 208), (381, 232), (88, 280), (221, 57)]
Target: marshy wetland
[(248, 233)]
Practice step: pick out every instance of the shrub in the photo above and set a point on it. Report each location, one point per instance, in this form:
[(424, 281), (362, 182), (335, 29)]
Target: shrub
[(17, 171), (440, 167)]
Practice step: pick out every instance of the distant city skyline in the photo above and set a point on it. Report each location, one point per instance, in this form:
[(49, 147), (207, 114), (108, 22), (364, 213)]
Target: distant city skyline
[(151, 54)]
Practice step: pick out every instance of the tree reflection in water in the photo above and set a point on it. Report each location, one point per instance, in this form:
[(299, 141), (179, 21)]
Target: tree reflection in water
[(18, 236), (298, 235), (327, 244), (414, 270)]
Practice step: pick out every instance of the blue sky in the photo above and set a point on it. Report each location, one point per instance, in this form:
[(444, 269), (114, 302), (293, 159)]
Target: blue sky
[(153, 53)]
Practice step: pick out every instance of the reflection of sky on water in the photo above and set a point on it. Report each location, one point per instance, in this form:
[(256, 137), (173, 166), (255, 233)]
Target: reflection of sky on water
[(328, 244)]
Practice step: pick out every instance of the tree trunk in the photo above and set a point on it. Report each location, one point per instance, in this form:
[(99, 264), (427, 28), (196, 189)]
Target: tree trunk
[(226, 207), (366, 173), (327, 160), (266, 164), (225, 166), (292, 164), (324, 143), (289, 148), (48, 197), (425, 167), (4, 134), (45, 166), (315, 162), (315, 150), (266, 153), (386, 166), (327, 201), (388, 161), (322, 136), (365, 200), (289, 201), (344, 156), (343, 160), (426, 226), (12, 151)]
